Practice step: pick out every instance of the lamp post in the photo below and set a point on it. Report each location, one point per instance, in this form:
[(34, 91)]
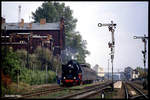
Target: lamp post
[(111, 28)]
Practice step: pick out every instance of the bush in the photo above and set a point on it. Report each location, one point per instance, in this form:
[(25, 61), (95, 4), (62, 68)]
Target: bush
[(10, 63), (51, 77), (37, 77)]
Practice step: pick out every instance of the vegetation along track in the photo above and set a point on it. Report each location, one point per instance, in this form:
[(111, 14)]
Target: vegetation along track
[(42, 91), (130, 89), (86, 92)]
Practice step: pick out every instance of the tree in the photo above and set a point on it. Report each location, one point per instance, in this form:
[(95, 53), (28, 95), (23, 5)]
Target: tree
[(10, 63), (53, 12), (141, 71), (44, 57), (22, 54)]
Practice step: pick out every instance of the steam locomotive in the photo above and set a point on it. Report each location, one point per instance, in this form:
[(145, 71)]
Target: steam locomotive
[(75, 74)]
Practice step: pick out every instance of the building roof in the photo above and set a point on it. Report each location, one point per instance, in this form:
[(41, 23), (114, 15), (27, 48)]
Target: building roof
[(136, 71), (128, 69), (35, 26)]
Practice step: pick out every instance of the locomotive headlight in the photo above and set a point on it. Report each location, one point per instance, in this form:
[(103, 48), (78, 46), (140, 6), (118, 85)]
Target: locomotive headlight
[(64, 77), (74, 78)]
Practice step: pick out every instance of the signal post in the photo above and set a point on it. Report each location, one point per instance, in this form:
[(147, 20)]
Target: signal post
[(111, 45), (143, 51)]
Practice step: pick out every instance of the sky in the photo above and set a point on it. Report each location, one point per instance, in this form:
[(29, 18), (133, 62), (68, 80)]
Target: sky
[(131, 19)]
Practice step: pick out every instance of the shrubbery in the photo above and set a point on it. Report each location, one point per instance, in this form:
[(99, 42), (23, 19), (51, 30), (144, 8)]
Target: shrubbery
[(37, 77), (10, 63), (36, 73)]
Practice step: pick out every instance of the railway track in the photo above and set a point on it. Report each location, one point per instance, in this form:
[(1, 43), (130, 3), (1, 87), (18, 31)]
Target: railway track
[(137, 82), (132, 92), (42, 91), (126, 91), (50, 89), (86, 92)]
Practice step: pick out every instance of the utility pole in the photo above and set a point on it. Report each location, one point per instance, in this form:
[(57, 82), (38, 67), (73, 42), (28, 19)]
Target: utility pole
[(5, 40), (108, 69), (28, 51), (143, 51), (19, 13), (28, 40), (111, 28), (44, 60), (46, 73)]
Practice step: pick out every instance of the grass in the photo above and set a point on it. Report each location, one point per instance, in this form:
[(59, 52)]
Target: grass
[(109, 95), (82, 86), (56, 94), (65, 92), (14, 89)]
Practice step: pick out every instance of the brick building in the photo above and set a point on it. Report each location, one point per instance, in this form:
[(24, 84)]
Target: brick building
[(30, 35)]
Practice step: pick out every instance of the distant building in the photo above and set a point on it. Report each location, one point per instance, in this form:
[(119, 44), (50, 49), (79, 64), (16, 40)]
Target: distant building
[(128, 73), (115, 76), (122, 76), (135, 74), (99, 70)]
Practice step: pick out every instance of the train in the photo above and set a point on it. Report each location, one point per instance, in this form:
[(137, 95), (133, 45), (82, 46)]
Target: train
[(74, 73)]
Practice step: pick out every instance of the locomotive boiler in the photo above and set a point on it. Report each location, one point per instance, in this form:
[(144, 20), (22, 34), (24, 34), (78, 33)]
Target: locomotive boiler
[(76, 74)]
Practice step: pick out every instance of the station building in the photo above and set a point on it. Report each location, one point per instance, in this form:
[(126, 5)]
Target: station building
[(99, 70), (135, 74), (128, 73), (31, 35)]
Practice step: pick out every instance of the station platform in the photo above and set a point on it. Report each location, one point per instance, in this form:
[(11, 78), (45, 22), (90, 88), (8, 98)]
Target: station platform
[(118, 84)]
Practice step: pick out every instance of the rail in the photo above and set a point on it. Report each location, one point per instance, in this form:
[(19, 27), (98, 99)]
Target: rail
[(42, 92), (126, 91), (87, 92), (139, 91)]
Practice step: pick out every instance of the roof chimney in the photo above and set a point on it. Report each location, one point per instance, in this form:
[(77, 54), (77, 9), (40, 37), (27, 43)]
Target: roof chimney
[(43, 21), (21, 24), (30, 25)]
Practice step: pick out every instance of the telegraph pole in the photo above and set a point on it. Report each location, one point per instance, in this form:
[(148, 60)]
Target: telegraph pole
[(28, 52), (108, 69), (28, 40), (143, 51), (111, 45)]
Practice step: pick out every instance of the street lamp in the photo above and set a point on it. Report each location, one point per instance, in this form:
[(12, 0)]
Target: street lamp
[(111, 28)]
